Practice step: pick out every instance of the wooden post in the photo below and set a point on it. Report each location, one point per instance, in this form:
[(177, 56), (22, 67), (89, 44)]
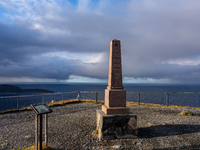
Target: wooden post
[(39, 110), (40, 132), (167, 99), (36, 132), (46, 129), (138, 99)]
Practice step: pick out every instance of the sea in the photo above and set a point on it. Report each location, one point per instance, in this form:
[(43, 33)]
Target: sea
[(149, 93)]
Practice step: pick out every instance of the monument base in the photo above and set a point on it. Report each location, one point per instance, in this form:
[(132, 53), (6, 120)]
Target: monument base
[(114, 110), (116, 126)]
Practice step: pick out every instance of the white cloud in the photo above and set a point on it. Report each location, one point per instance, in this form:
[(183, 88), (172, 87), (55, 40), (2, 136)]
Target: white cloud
[(193, 62), (160, 39), (83, 6), (79, 57), (144, 80), (82, 79)]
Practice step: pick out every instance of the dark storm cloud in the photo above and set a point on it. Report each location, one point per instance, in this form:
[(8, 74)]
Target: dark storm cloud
[(160, 39)]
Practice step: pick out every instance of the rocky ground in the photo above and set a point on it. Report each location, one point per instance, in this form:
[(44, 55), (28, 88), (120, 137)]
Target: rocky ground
[(71, 127)]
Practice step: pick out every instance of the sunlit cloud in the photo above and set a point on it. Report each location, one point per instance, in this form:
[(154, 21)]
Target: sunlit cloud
[(193, 62), (53, 41)]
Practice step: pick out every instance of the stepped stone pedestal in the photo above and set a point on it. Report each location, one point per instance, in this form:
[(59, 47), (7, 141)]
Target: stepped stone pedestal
[(115, 120), (115, 102), (116, 126)]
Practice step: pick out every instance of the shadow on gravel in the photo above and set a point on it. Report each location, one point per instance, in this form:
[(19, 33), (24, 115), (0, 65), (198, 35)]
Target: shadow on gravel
[(192, 147), (167, 130)]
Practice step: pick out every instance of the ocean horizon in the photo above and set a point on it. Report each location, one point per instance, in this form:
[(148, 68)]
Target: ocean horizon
[(186, 99), (100, 87)]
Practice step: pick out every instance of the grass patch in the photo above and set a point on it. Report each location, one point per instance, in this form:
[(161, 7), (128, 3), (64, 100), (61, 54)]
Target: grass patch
[(132, 103), (33, 147), (59, 103), (145, 104), (15, 110), (150, 105), (56, 103), (155, 105), (175, 106), (96, 132), (72, 101), (184, 113), (92, 101)]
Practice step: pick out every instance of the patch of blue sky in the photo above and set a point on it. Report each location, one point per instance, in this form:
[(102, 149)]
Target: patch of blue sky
[(94, 2), (75, 2), (9, 15), (114, 7), (3, 15)]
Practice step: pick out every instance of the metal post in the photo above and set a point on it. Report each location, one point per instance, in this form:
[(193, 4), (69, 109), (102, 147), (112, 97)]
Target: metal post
[(167, 98), (46, 129), (138, 99), (79, 96), (42, 98), (36, 132), (199, 100), (63, 98), (96, 96), (40, 132), (17, 103)]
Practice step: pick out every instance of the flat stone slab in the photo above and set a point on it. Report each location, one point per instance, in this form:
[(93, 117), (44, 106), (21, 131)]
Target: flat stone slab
[(115, 110), (116, 126)]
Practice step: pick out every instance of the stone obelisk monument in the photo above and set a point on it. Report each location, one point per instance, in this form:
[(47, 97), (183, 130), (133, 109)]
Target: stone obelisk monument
[(115, 120), (115, 95)]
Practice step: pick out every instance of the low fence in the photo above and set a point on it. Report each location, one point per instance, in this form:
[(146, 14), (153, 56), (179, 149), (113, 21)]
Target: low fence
[(165, 98)]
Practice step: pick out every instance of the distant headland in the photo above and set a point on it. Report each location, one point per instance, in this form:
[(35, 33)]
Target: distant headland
[(6, 88)]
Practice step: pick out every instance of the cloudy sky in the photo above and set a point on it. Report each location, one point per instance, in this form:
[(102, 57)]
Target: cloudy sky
[(64, 41)]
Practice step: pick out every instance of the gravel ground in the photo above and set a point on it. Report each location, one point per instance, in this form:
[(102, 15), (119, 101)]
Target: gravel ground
[(71, 127)]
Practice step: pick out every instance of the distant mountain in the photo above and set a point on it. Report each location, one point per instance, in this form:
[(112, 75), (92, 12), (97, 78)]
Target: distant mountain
[(5, 88)]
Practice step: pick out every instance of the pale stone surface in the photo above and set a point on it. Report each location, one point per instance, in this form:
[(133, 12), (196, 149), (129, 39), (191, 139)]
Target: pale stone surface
[(115, 95), (133, 123), (116, 126), (115, 67), (115, 98), (114, 110)]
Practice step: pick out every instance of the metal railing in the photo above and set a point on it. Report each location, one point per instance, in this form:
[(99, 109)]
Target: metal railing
[(165, 98), (191, 99)]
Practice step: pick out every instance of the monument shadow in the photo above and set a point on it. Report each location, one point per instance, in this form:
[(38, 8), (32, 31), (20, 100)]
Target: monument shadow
[(167, 130), (190, 147)]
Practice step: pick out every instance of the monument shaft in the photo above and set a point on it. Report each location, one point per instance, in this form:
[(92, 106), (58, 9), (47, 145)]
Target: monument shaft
[(115, 95), (115, 67)]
